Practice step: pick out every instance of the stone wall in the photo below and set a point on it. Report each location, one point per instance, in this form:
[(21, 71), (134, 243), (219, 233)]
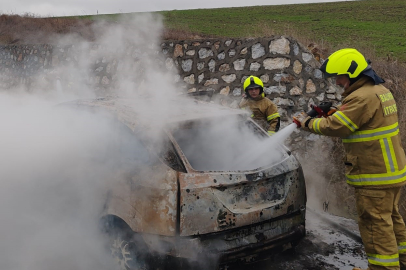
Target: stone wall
[(289, 71)]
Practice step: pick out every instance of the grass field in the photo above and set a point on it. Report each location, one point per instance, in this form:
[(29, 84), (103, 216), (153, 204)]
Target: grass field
[(377, 24), (374, 25)]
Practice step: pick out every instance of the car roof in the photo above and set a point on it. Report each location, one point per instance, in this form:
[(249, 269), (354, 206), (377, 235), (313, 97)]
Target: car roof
[(132, 111)]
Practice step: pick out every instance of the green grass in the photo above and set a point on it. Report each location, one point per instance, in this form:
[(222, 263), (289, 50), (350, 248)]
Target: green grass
[(376, 25)]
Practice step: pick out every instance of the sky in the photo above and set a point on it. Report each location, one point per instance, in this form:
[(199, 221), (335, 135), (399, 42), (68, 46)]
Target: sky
[(49, 8)]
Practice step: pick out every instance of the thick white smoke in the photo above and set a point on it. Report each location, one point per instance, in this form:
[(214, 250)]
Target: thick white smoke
[(56, 164)]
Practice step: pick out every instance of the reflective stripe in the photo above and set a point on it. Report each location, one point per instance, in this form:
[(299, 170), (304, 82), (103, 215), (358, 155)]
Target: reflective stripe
[(316, 125), (373, 134), (345, 120), (272, 116), (387, 155), (383, 260), (252, 115), (402, 247), (393, 155), (271, 132), (376, 179)]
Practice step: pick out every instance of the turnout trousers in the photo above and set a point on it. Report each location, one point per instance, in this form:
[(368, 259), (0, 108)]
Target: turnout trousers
[(382, 228)]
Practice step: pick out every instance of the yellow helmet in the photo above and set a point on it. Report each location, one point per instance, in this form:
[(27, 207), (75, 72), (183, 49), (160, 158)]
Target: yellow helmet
[(345, 61), (253, 82)]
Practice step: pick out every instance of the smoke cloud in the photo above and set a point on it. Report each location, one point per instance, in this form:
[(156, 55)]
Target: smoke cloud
[(57, 163)]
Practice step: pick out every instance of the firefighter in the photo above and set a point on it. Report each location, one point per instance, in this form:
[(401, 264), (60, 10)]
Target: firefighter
[(375, 162), (264, 111)]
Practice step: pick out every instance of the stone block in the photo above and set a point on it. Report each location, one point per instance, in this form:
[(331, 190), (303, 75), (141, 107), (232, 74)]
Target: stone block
[(331, 96), (191, 52), (278, 89), (212, 65), (283, 77), (221, 56), (225, 91), (295, 91), (229, 78), (257, 51), (297, 67), (204, 53), (283, 102), (320, 97), (255, 66), (178, 51), (224, 68), (318, 74), (280, 46), (331, 90), (311, 102), (169, 63), (239, 64), (237, 92), (295, 49), (211, 82), (264, 78), (200, 78), (200, 66), (189, 79), (187, 65), (310, 86), (301, 83), (307, 57), (276, 63), (302, 101)]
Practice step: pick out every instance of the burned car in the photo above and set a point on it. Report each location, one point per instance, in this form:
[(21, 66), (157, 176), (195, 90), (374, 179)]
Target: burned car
[(193, 187)]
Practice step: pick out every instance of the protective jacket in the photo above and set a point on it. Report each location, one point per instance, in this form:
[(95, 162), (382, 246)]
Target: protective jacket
[(264, 112), (367, 122)]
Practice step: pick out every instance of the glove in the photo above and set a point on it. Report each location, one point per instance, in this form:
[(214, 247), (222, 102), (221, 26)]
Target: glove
[(301, 119)]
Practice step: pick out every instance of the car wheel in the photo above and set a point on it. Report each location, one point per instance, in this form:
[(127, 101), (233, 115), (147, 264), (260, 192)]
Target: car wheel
[(126, 254), (126, 247)]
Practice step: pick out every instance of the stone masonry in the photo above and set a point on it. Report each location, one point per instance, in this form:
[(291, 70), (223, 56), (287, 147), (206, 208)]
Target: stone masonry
[(291, 75)]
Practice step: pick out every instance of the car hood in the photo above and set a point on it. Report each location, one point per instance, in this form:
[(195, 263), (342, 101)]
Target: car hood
[(216, 201)]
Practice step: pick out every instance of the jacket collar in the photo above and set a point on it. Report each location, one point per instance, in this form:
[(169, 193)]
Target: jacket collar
[(358, 84), (257, 98)]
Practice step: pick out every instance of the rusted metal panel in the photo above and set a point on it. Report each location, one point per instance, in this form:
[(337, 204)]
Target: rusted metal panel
[(213, 202), (238, 242), (147, 201)]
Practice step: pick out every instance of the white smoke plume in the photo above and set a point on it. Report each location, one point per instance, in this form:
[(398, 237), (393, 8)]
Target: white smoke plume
[(56, 164)]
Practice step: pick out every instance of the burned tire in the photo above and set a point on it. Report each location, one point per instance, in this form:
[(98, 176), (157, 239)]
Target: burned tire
[(127, 248)]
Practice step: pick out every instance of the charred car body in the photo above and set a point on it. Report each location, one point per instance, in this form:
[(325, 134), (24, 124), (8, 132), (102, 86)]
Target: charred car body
[(189, 192)]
